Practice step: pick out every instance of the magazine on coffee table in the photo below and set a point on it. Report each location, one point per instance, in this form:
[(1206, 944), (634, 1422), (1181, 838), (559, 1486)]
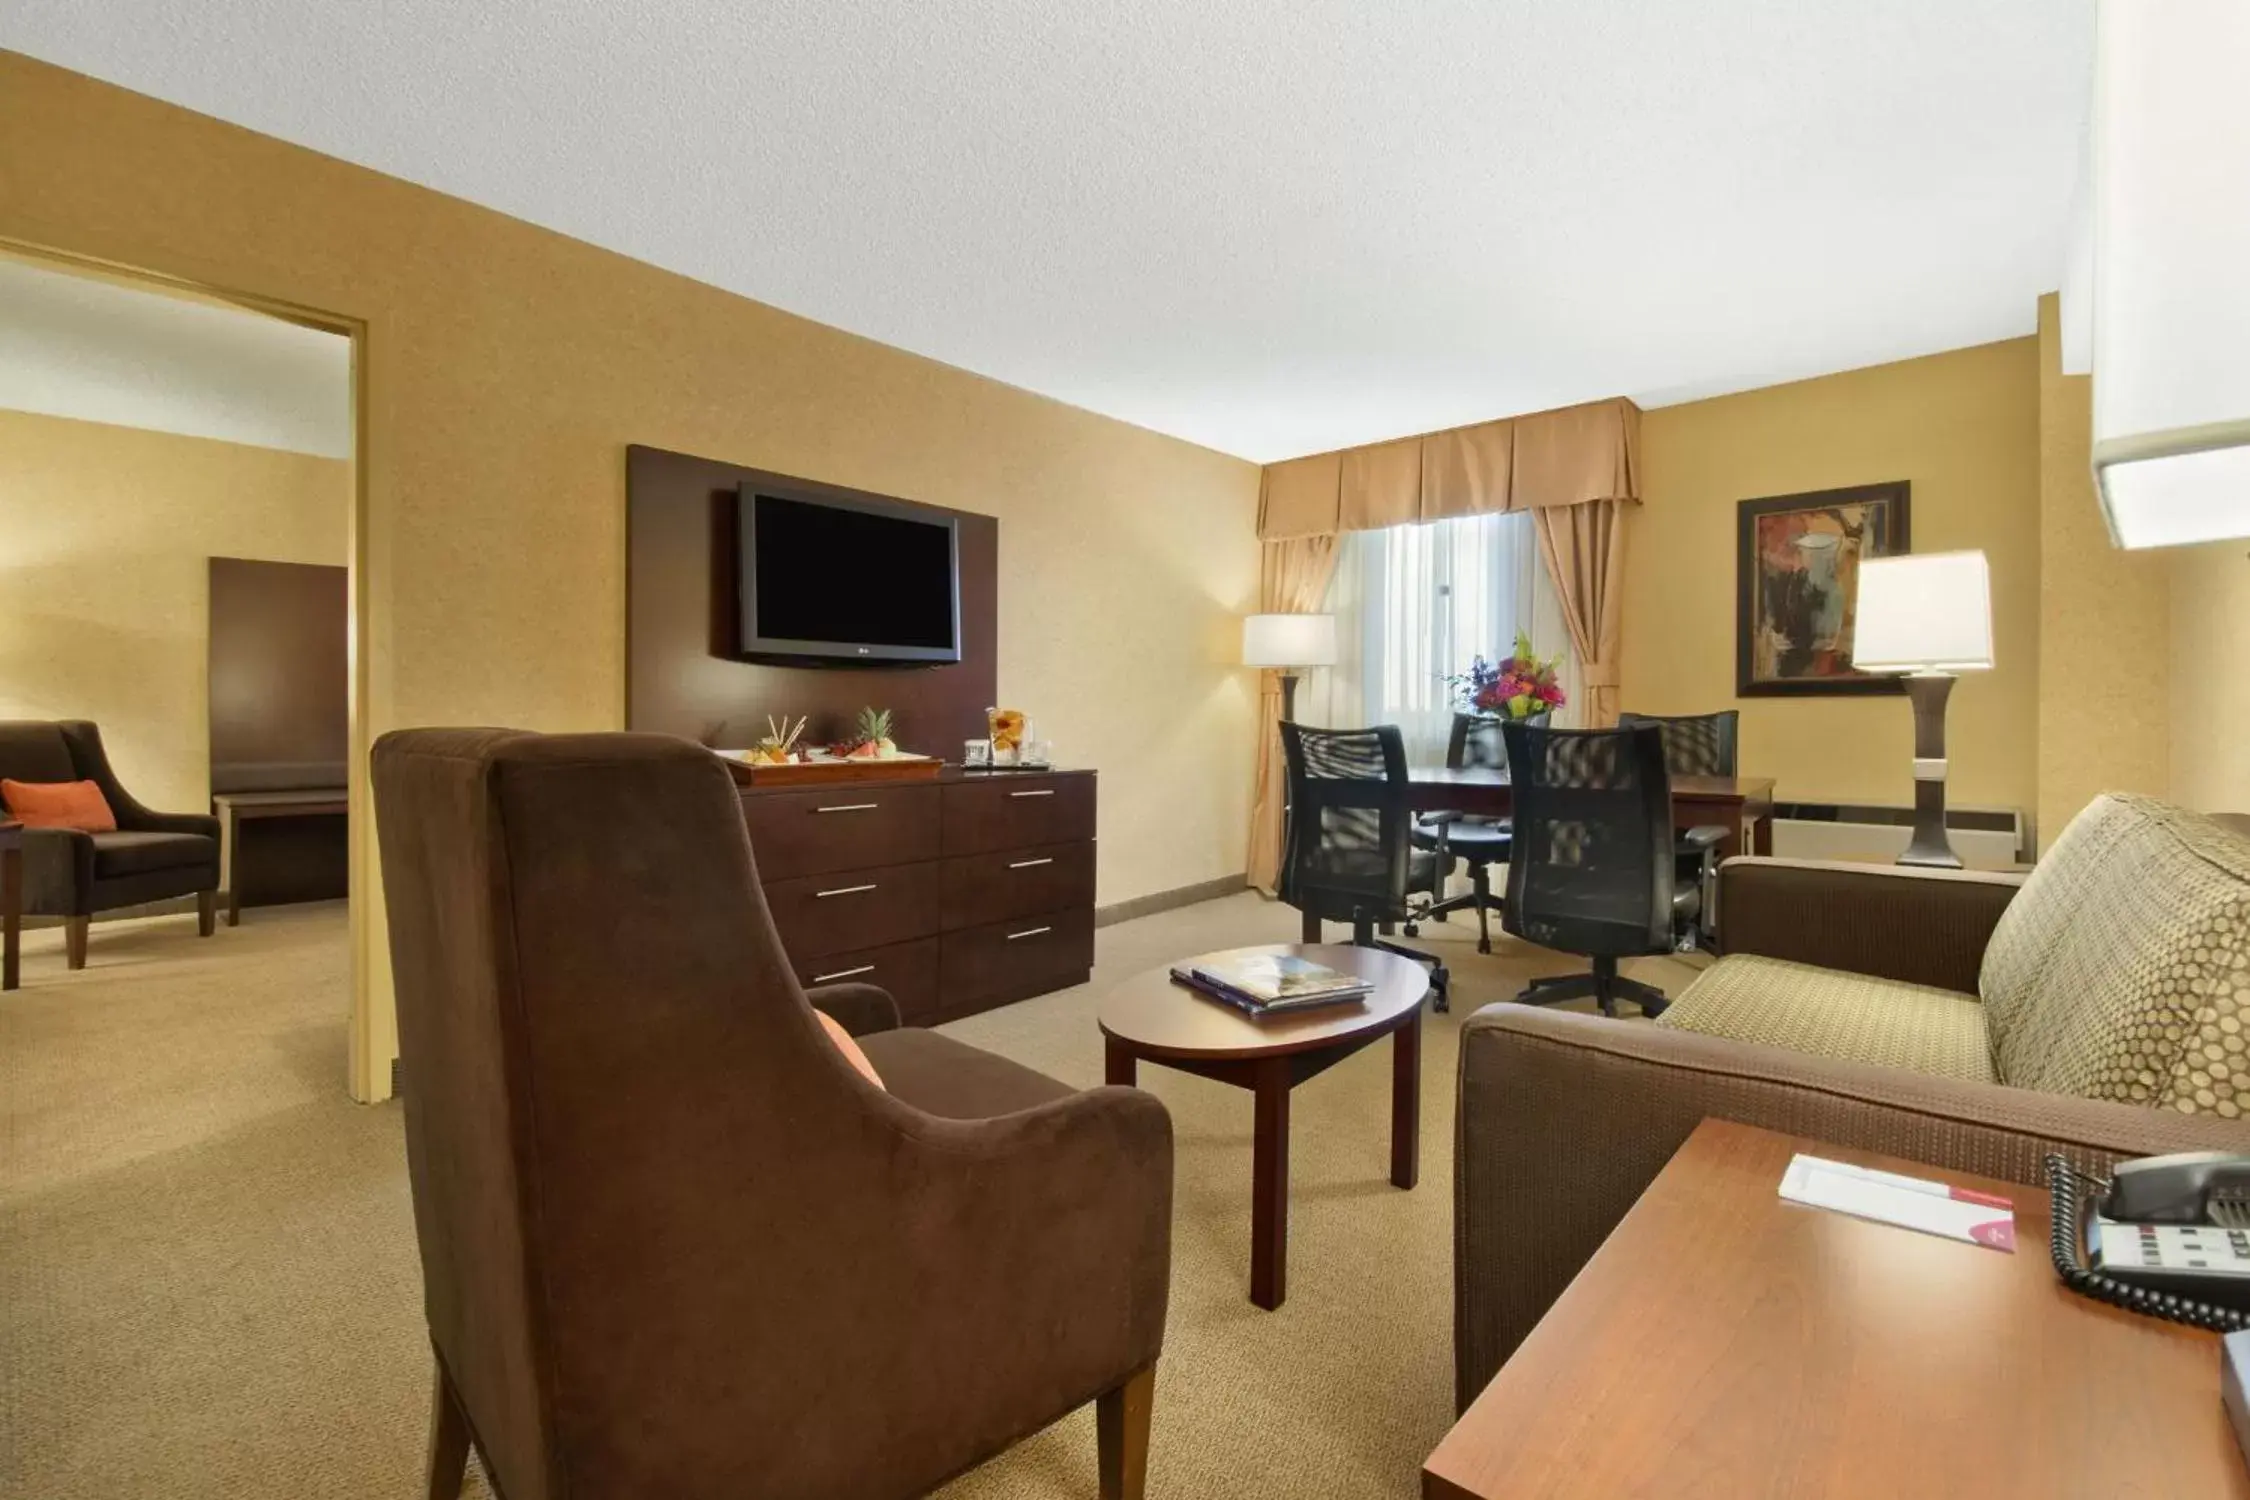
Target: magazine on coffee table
[(1266, 982)]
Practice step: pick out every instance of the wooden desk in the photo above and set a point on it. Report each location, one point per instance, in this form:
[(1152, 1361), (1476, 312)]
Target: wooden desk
[(1724, 1343), (237, 808), (1733, 802)]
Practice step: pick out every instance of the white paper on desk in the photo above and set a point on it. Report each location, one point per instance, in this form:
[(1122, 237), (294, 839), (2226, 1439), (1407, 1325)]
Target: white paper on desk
[(1909, 1202)]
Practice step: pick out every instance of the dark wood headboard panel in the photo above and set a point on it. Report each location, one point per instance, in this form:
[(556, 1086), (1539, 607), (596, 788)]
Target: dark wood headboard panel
[(680, 624), (279, 675)]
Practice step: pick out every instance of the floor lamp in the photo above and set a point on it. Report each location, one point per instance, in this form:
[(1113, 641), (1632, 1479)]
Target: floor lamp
[(1286, 643), (1927, 616)]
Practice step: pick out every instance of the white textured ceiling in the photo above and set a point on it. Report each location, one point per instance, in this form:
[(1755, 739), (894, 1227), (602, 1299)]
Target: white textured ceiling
[(1272, 228), (89, 348)]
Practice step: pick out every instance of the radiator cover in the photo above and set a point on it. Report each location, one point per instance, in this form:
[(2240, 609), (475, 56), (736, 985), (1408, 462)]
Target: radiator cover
[(1986, 838)]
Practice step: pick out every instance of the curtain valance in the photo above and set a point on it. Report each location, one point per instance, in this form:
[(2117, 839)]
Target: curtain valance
[(1569, 456)]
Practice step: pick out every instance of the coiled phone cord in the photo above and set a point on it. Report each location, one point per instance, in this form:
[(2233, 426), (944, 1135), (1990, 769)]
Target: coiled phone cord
[(2070, 1191)]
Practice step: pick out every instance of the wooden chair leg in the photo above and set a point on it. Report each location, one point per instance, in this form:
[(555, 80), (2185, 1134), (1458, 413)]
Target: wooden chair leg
[(449, 1440), (1121, 1419), (74, 941), (206, 913)]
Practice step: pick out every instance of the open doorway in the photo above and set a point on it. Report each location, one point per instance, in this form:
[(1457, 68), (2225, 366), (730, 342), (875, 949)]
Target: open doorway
[(178, 472)]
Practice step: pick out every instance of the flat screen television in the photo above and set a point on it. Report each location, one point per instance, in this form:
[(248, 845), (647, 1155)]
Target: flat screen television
[(836, 581)]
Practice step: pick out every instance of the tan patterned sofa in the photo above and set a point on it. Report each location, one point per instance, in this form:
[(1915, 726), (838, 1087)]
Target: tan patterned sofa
[(2099, 1006)]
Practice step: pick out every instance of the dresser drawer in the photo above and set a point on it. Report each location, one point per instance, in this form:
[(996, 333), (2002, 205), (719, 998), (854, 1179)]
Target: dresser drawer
[(849, 828), (982, 888), (980, 966), (846, 910), (1008, 811), (908, 970)]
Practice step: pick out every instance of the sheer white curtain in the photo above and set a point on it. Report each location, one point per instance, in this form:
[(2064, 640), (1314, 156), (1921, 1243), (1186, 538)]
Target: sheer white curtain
[(1413, 604)]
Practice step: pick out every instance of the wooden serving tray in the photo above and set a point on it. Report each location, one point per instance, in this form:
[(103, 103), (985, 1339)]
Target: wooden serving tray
[(834, 772)]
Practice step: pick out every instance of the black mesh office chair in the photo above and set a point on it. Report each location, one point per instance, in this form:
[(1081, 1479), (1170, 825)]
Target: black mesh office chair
[(1592, 870), (1481, 842), (1347, 854), (1696, 745)]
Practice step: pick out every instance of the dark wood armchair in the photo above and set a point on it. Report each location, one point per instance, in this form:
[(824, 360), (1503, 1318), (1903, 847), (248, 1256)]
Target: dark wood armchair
[(672, 1243), (153, 856)]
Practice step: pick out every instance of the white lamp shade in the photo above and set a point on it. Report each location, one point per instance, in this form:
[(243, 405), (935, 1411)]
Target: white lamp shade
[(1288, 640), (2171, 271), (1928, 612)]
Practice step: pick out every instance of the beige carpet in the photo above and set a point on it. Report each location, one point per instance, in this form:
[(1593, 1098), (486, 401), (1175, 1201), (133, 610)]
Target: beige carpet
[(208, 1283)]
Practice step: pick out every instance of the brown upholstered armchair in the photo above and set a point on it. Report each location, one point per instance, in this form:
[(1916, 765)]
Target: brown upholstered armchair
[(152, 856), (672, 1243)]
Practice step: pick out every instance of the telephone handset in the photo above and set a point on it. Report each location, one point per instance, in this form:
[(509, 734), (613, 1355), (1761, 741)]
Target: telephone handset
[(2167, 1235), (2192, 1187)]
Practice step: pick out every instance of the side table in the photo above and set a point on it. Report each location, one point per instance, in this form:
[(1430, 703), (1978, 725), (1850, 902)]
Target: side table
[(1152, 1017), (236, 808), (11, 904)]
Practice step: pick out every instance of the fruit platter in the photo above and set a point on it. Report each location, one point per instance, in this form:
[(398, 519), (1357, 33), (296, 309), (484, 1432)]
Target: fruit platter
[(784, 757)]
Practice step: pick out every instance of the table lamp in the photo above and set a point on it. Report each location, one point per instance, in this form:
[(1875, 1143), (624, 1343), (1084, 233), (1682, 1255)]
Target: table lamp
[(1288, 642), (1928, 616), (2171, 238)]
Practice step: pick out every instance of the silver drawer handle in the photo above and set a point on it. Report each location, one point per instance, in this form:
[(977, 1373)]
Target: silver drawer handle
[(843, 974), (842, 890), (851, 807), (1026, 864), (1028, 932), (1045, 791)]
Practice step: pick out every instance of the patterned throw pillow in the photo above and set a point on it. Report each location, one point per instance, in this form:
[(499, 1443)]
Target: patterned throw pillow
[(2121, 971)]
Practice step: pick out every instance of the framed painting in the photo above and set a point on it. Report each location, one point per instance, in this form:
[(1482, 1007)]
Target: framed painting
[(1797, 587)]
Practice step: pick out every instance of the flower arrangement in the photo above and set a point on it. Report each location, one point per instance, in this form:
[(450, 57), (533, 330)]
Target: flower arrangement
[(1521, 685)]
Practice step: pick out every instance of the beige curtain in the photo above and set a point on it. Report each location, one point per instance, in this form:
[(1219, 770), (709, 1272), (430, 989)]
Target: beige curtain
[(1576, 454), (1379, 486), (1299, 497), (1564, 457), (1576, 467), (1468, 470), (1583, 547), (1293, 580)]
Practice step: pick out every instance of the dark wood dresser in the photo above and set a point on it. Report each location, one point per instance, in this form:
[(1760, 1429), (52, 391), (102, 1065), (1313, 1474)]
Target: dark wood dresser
[(956, 895)]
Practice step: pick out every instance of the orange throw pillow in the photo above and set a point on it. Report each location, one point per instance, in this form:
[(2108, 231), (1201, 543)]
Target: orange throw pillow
[(850, 1048), (59, 804)]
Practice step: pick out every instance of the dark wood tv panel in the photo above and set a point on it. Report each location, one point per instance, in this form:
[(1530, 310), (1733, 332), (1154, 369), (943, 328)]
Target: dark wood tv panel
[(956, 894)]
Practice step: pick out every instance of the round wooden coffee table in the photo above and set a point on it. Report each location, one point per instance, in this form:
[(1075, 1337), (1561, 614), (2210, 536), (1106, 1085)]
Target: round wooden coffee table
[(1155, 1017)]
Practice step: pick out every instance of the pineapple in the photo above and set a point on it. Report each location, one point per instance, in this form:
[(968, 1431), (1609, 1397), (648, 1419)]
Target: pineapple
[(874, 734)]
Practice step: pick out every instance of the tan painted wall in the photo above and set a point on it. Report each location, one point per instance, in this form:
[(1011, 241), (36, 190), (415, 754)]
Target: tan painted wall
[(2210, 680), (104, 583), (1963, 427), (508, 367), (2103, 613)]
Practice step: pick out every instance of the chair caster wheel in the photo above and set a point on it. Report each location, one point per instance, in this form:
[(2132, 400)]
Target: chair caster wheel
[(1413, 929)]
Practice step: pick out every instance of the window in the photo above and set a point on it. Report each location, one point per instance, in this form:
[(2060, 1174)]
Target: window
[(1413, 604)]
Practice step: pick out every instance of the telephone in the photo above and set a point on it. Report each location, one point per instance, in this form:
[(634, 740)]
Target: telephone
[(2167, 1235)]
